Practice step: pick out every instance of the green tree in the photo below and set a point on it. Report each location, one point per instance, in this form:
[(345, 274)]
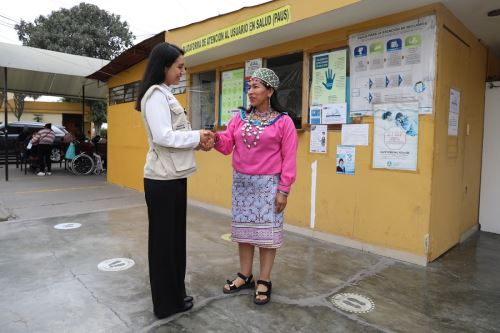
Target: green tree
[(98, 115), (19, 105), (82, 30)]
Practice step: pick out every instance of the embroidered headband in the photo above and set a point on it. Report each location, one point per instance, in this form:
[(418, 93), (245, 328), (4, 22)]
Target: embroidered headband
[(267, 76)]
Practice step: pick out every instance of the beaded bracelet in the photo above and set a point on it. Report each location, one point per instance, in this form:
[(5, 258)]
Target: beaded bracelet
[(283, 192)]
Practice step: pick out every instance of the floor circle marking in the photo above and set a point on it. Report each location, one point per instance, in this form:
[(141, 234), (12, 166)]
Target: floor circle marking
[(354, 303), (115, 264), (67, 226)]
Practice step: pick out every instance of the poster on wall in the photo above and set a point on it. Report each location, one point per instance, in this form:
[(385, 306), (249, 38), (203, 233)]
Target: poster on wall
[(319, 138), (315, 115), (393, 64), (328, 75), (250, 67), (454, 112), (346, 160), (231, 97), (395, 138), (355, 134), (334, 113)]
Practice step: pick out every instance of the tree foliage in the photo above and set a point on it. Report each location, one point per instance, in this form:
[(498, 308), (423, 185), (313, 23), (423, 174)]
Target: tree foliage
[(82, 30), (19, 105)]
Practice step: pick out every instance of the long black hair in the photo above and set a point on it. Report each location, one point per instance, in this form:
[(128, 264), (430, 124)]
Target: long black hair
[(162, 56)]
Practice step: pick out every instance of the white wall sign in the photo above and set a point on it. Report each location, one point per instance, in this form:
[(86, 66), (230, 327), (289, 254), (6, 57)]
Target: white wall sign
[(115, 264), (454, 112), (334, 113), (393, 64), (355, 134)]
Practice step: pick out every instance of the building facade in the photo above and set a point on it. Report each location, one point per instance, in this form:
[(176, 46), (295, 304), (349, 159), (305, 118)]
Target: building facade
[(415, 209)]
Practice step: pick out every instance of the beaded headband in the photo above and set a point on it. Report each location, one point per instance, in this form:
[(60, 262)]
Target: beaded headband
[(267, 76)]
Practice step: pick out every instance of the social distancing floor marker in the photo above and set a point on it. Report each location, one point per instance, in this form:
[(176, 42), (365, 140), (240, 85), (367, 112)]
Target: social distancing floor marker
[(66, 226), (115, 264), (354, 303), (226, 237)]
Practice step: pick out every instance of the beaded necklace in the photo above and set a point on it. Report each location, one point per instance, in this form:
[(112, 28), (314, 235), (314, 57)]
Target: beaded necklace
[(255, 124)]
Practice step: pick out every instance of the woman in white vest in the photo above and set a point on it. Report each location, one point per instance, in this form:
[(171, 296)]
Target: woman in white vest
[(170, 160)]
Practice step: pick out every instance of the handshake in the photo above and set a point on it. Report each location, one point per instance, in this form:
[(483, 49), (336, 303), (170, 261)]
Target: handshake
[(207, 140)]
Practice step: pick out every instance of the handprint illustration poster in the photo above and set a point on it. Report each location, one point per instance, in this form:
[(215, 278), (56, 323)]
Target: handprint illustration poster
[(393, 64), (395, 136), (329, 77)]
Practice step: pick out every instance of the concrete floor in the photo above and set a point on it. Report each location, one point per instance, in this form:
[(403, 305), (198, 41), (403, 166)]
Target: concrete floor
[(49, 279)]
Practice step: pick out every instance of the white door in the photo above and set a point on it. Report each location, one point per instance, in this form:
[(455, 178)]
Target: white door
[(489, 210)]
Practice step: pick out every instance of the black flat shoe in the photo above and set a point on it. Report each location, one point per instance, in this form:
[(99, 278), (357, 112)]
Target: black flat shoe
[(188, 299), (187, 306)]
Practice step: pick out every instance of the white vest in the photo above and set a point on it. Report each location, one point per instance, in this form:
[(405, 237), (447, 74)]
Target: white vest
[(166, 163)]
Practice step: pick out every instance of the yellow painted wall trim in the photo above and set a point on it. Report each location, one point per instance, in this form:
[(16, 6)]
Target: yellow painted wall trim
[(300, 10)]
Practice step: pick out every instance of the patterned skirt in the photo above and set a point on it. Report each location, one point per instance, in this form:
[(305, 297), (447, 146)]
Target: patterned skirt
[(255, 220)]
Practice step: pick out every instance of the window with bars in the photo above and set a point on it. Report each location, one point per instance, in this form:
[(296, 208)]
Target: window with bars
[(124, 94)]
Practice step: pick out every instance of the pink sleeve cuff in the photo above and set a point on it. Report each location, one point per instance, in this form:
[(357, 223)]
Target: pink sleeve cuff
[(284, 188)]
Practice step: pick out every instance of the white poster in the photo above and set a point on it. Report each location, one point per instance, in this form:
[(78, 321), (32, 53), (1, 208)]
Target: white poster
[(393, 64), (454, 113), (334, 113), (319, 138), (355, 134), (395, 139)]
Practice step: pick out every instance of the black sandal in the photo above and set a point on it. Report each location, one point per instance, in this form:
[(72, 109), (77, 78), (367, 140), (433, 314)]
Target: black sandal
[(263, 293), (249, 283)]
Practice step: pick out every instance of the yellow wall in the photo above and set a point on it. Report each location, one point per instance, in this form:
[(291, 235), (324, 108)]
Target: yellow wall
[(380, 207), (127, 141), (457, 160), (392, 209)]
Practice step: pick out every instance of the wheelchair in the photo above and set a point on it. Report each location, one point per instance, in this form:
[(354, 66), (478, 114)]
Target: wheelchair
[(87, 161)]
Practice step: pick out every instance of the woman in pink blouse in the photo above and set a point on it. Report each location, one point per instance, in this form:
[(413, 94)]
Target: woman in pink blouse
[(263, 141)]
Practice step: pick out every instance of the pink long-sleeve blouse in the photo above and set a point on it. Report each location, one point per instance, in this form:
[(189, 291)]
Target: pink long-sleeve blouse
[(274, 153)]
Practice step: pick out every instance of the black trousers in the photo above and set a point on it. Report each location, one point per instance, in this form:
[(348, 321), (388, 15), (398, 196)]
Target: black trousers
[(166, 201), (44, 152)]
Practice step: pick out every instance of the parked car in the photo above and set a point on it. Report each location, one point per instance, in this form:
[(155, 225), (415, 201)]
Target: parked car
[(16, 128)]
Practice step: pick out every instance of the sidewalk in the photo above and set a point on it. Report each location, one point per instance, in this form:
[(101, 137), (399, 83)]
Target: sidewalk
[(50, 282), (30, 196)]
